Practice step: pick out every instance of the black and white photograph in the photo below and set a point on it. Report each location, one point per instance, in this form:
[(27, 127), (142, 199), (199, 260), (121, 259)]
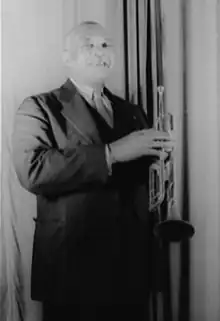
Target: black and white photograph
[(110, 160)]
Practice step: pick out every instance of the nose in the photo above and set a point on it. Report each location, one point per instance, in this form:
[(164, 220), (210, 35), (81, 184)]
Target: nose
[(99, 51)]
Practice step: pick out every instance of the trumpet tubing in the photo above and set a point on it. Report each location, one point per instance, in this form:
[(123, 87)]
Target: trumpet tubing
[(162, 185)]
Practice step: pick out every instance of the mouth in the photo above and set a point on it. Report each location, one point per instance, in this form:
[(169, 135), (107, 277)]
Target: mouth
[(99, 62), (104, 64)]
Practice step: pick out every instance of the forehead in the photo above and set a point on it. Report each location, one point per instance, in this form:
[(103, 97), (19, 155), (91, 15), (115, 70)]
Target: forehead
[(89, 33), (86, 33)]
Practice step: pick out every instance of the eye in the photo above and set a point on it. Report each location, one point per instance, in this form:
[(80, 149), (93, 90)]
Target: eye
[(105, 45)]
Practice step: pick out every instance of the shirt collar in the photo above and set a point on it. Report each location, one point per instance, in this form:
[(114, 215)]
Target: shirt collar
[(86, 91)]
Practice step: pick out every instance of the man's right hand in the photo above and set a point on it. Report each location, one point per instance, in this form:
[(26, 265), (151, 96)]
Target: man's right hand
[(147, 142)]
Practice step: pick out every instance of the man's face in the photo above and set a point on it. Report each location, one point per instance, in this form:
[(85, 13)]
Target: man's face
[(93, 57)]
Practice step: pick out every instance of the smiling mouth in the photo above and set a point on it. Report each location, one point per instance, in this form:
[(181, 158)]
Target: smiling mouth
[(103, 64), (100, 63)]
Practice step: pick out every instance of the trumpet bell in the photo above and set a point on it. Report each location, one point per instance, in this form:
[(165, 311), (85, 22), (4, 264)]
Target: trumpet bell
[(174, 230)]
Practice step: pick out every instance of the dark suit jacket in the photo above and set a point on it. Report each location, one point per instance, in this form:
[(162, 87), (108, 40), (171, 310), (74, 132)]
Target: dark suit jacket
[(91, 241)]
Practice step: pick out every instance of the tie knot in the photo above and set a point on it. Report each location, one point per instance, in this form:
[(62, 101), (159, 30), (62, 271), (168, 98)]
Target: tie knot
[(97, 95), (103, 107)]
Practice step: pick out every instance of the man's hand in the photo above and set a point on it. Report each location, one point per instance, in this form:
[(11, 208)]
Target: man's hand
[(141, 143)]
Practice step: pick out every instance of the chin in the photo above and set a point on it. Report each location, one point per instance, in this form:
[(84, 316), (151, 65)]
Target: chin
[(100, 73)]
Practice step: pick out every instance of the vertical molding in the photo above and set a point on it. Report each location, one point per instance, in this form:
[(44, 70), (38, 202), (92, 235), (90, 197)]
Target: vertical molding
[(173, 81), (204, 159), (132, 50), (114, 24), (135, 43), (218, 107), (1, 130), (143, 40), (92, 10), (184, 287), (139, 100), (75, 11), (126, 64), (70, 14), (153, 58)]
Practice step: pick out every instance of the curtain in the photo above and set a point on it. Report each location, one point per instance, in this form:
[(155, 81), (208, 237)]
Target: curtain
[(137, 52), (31, 47), (146, 67)]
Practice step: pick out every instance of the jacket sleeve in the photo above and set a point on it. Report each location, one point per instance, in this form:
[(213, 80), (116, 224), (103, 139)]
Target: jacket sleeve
[(43, 168)]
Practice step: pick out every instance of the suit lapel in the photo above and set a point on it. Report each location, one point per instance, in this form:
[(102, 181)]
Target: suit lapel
[(123, 114), (127, 117), (77, 114)]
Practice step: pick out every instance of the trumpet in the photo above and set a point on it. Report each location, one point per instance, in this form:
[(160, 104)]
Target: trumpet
[(169, 227)]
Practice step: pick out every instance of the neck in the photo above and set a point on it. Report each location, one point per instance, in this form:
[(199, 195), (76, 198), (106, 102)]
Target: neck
[(96, 85)]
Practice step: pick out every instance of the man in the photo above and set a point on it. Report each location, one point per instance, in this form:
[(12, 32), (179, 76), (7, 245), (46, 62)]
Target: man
[(85, 153)]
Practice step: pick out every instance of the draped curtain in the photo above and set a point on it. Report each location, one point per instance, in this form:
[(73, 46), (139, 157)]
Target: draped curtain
[(145, 68), (137, 47), (31, 46)]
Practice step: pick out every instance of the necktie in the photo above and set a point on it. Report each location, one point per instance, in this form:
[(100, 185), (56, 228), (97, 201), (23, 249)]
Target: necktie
[(103, 108)]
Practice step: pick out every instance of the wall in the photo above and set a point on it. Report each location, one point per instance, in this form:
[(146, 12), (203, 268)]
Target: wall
[(32, 40), (31, 47), (203, 107)]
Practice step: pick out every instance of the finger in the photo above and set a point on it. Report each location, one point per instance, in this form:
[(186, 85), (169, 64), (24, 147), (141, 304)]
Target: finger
[(160, 145), (159, 133), (155, 135), (164, 139), (163, 136), (154, 152)]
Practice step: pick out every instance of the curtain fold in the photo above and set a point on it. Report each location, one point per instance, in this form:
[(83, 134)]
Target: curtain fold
[(135, 47), (31, 48), (146, 67), (11, 281)]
